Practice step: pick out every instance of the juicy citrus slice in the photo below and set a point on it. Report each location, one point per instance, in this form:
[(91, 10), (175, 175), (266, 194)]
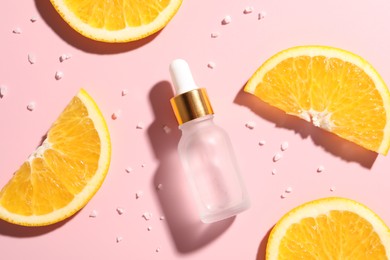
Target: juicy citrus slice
[(332, 88), (329, 228), (63, 173), (117, 21)]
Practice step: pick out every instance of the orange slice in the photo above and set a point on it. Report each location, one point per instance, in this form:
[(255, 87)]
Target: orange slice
[(117, 21), (330, 228), (62, 174), (332, 88)]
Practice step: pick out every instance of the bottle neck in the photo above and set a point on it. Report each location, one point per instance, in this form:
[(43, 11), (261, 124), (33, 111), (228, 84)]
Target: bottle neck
[(196, 123)]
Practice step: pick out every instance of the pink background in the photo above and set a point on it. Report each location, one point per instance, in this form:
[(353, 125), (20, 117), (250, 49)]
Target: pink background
[(141, 67)]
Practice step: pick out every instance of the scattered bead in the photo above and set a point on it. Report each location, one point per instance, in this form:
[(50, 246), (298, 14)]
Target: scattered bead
[(157, 249), (140, 125), (248, 10), (33, 19), (147, 215), (167, 129), (226, 20), (277, 157), (284, 146), (162, 218), (289, 190), (211, 65), (64, 57), (31, 106), (261, 15), (159, 186), (120, 211), (149, 228), (129, 169), (274, 171), (320, 168), (250, 125), (32, 58), (215, 35), (93, 214), (119, 239), (17, 30), (125, 92), (262, 142), (332, 189), (59, 75), (3, 91), (143, 165), (139, 194), (283, 196)]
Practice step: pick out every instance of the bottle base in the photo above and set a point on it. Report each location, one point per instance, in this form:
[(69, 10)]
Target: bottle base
[(225, 214)]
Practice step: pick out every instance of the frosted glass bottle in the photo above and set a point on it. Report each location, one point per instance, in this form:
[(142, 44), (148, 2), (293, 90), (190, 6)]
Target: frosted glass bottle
[(206, 151)]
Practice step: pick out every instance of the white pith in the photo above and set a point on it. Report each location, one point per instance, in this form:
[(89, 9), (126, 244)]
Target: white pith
[(319, 119)]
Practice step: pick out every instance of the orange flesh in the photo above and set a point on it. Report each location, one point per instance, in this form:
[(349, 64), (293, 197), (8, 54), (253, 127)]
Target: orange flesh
[(338, 235), (50, 181), (116, 14)]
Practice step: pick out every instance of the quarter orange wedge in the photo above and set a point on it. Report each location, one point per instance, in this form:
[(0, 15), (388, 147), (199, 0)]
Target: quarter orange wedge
[(63, 173), (332, 88), (117, 21), (329, 228)]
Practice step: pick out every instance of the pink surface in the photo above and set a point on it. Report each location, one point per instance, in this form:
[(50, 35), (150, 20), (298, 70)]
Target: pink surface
[(142, 68)]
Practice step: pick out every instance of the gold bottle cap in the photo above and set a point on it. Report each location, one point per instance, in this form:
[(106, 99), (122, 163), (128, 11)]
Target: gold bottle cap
[(191, 105)]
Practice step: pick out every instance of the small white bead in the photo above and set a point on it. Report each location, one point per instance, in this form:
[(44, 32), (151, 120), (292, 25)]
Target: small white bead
[(226, 20), (120, 211), (277, 157), (284, 146), (140, 125), (125, 92), (147, 215), (17, 30), (248, 10), (215, 35), (93, 214), (139, 194), (32, 58), (31, 106), (59, 75), (64, 57), (250, 125), (211, 65), (3, 91), (320, 168)]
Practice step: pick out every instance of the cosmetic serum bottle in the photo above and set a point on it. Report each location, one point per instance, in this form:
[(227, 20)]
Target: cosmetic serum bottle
[(205, 151)]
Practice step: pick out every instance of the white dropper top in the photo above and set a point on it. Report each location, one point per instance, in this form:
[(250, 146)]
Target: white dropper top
[(181, 76)]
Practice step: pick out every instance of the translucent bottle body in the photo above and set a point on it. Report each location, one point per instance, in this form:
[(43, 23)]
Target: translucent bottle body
[(210, 164)]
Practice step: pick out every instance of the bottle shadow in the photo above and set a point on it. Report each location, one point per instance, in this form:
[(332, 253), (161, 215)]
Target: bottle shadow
[(331, 143), (72, 37), (178, 206)]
